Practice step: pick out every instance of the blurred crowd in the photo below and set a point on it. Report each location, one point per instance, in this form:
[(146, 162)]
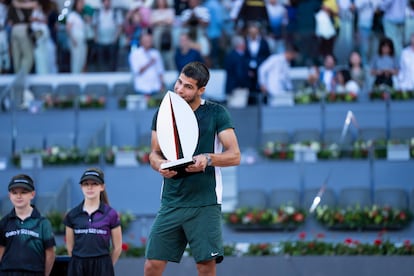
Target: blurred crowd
[(337, 39)]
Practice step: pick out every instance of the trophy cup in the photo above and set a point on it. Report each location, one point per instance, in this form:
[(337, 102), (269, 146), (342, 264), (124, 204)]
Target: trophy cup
[(177, 133)]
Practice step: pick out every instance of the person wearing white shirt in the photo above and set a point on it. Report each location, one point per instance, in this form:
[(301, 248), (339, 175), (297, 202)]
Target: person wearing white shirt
[(147, 67), (196, 18), (76, 30), (406, 74), (108, 27), (273, 74)]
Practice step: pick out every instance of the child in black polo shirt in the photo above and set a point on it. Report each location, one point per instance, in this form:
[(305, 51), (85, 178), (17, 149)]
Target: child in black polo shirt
[(90, 228), (26, 238)]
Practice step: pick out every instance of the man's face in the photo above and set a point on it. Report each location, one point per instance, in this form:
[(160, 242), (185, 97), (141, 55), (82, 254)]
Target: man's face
[(187, 88)]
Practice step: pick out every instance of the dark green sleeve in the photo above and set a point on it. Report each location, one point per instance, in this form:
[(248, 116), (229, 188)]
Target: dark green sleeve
[(48, 235), (154, 121)]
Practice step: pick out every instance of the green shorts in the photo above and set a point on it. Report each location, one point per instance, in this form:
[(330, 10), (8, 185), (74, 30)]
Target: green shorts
[(174, 228)]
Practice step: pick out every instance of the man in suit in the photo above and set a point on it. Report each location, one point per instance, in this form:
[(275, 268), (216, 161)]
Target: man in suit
[(257, 50), (236, 65)]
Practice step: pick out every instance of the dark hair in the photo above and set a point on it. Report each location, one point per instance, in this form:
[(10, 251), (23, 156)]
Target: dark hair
[(349, 58), (345, 74), (386, 42), (291, 47), (197, 71), (74, 6)]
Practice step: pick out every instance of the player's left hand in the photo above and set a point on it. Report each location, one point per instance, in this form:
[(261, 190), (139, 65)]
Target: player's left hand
[(200, 164)]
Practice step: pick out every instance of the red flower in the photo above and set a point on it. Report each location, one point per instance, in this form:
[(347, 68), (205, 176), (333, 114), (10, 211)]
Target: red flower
[(233, 218), (145, 158), (339, 217), (348, 241), (250, 216), (263, 246), (320, 235), (302, 235), (298, 217), (282, 155), (143, 240), (378, 242), (267, 152), (125, 247), (407, 243), (402, 216)]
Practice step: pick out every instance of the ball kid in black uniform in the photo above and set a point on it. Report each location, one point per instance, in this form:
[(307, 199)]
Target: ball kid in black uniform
[(93, 230), (27, 243)]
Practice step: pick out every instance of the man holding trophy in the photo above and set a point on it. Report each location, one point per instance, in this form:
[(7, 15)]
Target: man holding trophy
[(191, 139)]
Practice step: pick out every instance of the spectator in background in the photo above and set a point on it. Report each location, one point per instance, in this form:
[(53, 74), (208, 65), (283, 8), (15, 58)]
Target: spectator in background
[(357, 70), (384, 66), (196, 19), (107, 24), (394, 21), (5, 62), (236, 65), (409, 22), (214, 32), (20, 41), (186, 52), (327, 43), (135, 23), (305, 36), (91, 56), (257, 50), (365, 10), (344, 83), (326, 74), (245, 11), (162, 20), (45, 48), (346, 37), (180, 6), (76, 31), (52, 20), (147, 67), (278, 19), (273, 74), (406, 75), (291, 24)]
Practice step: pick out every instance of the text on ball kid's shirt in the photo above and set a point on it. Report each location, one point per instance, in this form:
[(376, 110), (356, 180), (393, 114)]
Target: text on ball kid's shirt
[(92, 232)]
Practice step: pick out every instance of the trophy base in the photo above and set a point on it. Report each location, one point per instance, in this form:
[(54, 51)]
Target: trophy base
[(178, 166)]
